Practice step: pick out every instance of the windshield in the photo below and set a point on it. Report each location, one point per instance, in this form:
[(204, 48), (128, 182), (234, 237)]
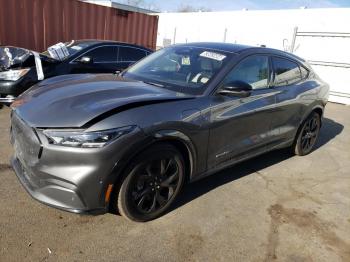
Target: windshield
[(180, 68), (73, 47)]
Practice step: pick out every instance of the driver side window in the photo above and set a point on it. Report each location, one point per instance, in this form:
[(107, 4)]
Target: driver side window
[(253, 70), (104, 54)]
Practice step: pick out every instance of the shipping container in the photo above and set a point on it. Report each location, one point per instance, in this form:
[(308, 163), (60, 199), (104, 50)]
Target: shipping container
[(38, 24)]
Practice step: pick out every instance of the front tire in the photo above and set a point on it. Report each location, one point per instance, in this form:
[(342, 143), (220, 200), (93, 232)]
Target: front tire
[(152, 183), (308, 134)]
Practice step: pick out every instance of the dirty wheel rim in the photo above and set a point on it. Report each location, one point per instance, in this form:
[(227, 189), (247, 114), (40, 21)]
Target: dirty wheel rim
[(310, 133), (155, 184)]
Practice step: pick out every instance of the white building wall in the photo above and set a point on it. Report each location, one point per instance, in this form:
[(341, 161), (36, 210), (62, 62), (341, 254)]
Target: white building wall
[(273, 28)]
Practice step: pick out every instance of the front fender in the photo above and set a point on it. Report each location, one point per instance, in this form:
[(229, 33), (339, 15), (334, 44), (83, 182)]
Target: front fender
[(170, 136), (179, 137)]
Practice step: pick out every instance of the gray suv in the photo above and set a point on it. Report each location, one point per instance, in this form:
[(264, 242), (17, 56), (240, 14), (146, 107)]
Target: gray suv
[(127, 143)]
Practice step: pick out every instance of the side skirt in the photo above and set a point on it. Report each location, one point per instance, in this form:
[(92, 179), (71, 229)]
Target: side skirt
[(285, 144)]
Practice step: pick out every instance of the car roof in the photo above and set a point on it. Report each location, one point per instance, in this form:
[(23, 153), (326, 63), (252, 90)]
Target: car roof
[(237, 48), (95, 42), (232, 48)]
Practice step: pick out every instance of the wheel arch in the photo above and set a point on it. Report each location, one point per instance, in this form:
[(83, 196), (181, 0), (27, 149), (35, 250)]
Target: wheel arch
[(176, 138), (183, 143), (316, 108), (319, 110)]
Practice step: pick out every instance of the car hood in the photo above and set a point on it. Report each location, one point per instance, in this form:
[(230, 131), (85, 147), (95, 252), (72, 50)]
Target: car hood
[(76, 100), (16, 57)]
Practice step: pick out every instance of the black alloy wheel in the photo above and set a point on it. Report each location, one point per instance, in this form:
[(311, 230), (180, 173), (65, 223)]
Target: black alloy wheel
[(153, 183), (308, 135)]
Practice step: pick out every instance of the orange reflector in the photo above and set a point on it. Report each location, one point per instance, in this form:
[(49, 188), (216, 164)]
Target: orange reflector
[(108, 193)]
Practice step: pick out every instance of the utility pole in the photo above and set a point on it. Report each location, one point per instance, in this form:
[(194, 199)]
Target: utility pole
[(293, 39), (174, 39), (225, 34)]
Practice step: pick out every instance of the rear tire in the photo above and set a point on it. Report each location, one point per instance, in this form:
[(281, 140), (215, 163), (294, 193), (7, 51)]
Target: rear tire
[(151, 183), (307, 135)]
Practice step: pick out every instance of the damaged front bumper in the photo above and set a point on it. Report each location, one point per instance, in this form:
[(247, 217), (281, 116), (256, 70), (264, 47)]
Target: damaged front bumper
[(53, 194), (67, 178)]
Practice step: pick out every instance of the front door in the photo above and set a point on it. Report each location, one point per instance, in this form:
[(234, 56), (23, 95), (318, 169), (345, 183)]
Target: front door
[(240, 127), (103, 59)]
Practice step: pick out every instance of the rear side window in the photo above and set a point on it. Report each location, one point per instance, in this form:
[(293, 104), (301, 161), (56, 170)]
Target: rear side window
[(286, 72), (103, 54), (130, 54)]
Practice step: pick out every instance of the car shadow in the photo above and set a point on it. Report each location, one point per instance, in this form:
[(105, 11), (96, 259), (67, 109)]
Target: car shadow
[(330, 129)]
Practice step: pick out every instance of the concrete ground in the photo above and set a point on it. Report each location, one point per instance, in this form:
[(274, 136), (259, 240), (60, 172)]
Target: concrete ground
[(276, 207)]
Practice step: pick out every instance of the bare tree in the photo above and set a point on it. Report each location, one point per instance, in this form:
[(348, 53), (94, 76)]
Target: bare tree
[(138, 3), (189, 8), (141, 4)]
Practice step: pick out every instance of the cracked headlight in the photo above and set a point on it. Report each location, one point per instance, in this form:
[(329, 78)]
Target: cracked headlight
[(83, 139), (13, 75)]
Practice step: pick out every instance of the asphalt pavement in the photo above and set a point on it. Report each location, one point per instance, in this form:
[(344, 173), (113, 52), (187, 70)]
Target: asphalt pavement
[(276, 207)]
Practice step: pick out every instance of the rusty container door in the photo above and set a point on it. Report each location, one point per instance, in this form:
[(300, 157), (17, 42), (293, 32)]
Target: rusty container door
[(37, 24)]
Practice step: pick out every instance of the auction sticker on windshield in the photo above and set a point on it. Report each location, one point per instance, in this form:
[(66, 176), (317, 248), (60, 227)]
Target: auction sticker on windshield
[(213, 55)]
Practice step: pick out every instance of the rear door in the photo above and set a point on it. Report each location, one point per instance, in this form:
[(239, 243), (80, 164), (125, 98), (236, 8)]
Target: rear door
[(128, 55), (289, 84), (240, 127)]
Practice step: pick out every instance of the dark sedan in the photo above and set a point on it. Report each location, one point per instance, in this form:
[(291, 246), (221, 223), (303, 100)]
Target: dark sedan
[(19, 70), (128, 143)]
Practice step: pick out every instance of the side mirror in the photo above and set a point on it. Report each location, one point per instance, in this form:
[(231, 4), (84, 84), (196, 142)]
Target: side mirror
[(85, 60), (236, 88)]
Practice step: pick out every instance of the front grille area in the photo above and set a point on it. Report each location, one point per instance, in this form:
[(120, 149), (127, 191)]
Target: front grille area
[(25, 141)]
